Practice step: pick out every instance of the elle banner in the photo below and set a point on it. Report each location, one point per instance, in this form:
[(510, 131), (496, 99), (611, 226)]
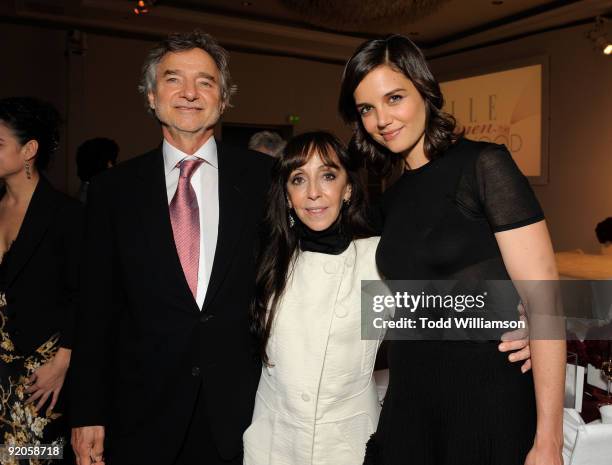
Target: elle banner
[(505, 107)]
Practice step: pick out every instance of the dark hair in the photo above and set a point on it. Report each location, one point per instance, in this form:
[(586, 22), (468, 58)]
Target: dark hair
[(603, 231), (281, 245), (183, 42), (93, 156), (402, 55), (33, 119)]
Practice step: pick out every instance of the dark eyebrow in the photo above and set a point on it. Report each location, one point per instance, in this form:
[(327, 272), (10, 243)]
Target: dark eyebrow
[(173, 72), (391, 92), (207, 76)]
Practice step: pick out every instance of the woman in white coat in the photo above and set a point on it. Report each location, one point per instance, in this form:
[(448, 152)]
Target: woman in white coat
[(316, 403)]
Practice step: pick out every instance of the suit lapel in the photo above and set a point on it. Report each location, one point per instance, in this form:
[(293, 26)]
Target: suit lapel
[(156, 221), (232, 203), (35, 224)]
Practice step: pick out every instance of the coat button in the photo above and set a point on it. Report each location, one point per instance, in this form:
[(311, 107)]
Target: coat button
[(331, 267), (195, 371), (350, 262), (341, 312), (305, 397), (204, 318)]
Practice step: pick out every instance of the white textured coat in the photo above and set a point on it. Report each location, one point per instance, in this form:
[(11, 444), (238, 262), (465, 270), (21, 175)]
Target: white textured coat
[(317, 404)]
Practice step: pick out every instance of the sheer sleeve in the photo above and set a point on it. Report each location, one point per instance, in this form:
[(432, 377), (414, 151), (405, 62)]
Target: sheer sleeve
[(496, 188)]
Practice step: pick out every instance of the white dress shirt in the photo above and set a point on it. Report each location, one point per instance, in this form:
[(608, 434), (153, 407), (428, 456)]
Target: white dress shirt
[(205, 183)]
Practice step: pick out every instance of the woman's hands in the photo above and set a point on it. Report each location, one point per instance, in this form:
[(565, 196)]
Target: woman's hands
[(517, 342), (48, 379), (520, 351)]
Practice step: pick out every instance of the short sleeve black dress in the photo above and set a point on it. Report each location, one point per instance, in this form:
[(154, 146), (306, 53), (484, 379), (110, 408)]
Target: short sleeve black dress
[(451, 402)]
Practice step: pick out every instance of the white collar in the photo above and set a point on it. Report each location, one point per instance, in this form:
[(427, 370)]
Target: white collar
[(173, 156)]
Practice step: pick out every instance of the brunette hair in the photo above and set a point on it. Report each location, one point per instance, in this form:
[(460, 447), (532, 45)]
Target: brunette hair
[(402, 55), (280, 250)]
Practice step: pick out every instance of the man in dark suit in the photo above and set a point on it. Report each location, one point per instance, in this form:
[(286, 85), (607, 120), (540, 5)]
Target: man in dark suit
[(164, 368)]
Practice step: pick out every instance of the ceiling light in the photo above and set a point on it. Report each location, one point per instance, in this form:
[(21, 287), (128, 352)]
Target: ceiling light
[(601, 35), (143, 7)]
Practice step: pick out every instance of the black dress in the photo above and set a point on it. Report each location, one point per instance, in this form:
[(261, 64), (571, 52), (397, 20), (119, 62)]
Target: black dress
[(450, 402)]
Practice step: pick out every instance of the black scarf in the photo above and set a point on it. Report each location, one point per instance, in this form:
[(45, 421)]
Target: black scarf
[(332, 241)]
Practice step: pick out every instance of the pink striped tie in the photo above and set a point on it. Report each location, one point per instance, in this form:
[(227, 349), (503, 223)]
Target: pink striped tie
[(185, 218)]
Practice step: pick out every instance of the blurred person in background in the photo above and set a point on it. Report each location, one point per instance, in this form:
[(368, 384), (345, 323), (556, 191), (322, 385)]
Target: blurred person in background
[(603, 231), (267, 142), (93, 157)]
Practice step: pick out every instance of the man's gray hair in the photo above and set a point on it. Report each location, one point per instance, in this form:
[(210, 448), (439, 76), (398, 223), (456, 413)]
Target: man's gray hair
[(183, 42), (268, 142)]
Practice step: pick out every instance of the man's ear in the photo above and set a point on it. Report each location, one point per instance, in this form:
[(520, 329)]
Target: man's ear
[(151, 99)]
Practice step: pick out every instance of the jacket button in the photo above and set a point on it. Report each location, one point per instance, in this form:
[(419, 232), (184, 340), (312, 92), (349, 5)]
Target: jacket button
[(305, 397), (205, 318), (195, 371)]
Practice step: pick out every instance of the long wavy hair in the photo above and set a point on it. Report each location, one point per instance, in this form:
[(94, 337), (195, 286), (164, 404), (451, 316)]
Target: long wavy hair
[(280, 250), (402, 55)]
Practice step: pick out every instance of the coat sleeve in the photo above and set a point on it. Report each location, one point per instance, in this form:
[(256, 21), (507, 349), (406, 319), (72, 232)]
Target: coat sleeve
[(97, 314), (72, 220)]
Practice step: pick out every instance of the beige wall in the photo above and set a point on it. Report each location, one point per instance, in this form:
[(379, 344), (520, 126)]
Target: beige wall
[(579, 192), (97, 95)]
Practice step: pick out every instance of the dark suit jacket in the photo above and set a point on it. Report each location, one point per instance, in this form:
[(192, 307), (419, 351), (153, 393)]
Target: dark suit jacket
[(42, 270), (143, 347)]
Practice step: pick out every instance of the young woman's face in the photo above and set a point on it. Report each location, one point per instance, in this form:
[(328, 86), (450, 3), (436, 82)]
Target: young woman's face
[(391, 108), (316, 191), (11, 156)]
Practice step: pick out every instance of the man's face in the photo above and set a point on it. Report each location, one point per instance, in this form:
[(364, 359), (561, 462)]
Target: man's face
[(187, 93)]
